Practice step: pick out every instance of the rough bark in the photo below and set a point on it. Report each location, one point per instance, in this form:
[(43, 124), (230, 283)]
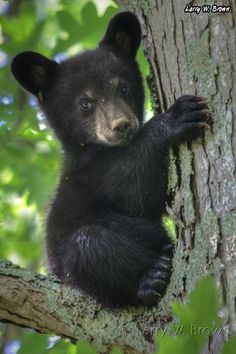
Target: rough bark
[(44, 304), (196, 54), (188, 54)]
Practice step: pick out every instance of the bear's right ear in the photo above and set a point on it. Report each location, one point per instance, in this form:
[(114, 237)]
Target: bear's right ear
[(123, 33), (34, 71)]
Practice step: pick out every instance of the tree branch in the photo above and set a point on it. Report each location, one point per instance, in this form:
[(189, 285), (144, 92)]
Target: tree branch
[(33, 300)]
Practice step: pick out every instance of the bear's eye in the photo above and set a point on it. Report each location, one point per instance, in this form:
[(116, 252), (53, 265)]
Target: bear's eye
[(85, 104), (124, 90)]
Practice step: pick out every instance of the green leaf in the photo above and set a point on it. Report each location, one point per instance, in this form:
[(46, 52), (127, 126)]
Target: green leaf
[(21, 26), (196, 321), (202, 307), (33, 343), (86, 31), (85, 348), (170, 227), (230, 346)]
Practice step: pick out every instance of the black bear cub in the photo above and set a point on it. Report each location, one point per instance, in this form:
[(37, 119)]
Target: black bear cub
[(104, 231)]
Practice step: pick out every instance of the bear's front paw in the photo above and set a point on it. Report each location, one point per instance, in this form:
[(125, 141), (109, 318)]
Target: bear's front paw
[(188, 118), (153, 285)]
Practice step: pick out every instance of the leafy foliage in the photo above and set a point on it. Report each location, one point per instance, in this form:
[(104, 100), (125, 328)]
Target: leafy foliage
[(33, 343), (229, 347), (195, 321), (36, 343)]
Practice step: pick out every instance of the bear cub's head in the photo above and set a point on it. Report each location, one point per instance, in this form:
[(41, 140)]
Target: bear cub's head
[(95, 97)]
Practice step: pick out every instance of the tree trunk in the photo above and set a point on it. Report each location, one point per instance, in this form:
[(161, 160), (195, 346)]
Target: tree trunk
[(196, 54), (188, 54)]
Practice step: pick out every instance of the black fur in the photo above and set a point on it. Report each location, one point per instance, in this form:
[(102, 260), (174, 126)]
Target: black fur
[(104, 230)]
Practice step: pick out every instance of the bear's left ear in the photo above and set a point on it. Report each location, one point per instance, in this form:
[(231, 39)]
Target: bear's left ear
[(124, 33)]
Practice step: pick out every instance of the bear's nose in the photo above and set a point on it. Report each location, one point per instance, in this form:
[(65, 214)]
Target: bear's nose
[(120, 125)]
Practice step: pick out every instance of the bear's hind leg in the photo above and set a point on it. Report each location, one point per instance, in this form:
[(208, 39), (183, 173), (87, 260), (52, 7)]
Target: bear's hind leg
[(152, 285)]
